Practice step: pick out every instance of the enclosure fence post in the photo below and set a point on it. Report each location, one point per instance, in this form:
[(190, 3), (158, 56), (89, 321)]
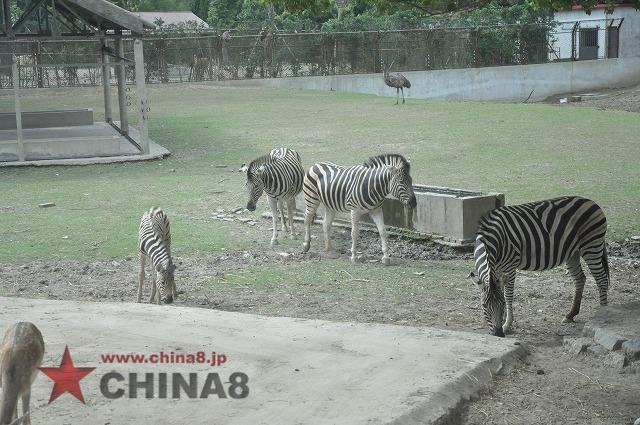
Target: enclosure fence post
[(106, 80), (122, 84), (18, 109), (143, 101)]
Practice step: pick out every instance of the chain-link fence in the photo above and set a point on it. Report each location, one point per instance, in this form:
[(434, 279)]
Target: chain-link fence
[(206, 57)]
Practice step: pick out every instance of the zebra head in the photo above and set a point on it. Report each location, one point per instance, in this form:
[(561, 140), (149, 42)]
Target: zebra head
[(165, 281), (401, 186), (492, 295), (254, 183), (401, 182)]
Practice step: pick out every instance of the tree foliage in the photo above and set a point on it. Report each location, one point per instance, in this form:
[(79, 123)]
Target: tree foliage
[(437, 7), (153, 5)]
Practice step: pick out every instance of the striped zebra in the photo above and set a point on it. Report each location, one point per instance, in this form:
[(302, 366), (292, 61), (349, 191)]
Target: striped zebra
[(280, 175), (360, 189), (538, 236), (154, 242)]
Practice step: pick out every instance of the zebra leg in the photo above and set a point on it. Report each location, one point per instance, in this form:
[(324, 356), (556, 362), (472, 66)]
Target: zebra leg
[(598, 264), (274, 213), (26, 399), (355, 231), (281, 208), (575, 269), (508, 296), (378, 218), (290, 205), (309, 214), (141, 260), (154, 279), (329, 215)]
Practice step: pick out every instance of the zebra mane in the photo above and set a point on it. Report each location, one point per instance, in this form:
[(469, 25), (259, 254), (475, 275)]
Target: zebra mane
[(258, 162), (388, 159)]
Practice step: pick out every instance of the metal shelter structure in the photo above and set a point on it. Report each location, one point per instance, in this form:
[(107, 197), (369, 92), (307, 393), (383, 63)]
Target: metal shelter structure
[(65, 20)]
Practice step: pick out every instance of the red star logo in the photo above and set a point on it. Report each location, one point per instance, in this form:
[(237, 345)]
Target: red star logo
[(67, 377)]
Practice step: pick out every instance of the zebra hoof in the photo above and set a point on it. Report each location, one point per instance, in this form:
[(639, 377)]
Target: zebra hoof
[(567, 320), (305, 247), (354, 260), (274, 242), (386, 261)]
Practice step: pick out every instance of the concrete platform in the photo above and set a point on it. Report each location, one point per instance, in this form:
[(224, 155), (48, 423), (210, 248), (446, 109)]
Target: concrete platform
[(617, 327), (300, 371), (98, 143)]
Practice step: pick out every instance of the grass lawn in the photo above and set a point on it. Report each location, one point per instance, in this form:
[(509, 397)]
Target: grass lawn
[(527, 151)]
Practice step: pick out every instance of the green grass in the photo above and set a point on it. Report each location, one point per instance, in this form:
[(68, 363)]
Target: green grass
[(349, 279), (527, 151)]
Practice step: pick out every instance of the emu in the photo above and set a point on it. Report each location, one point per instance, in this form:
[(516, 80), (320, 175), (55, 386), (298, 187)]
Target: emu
[(397, 81)]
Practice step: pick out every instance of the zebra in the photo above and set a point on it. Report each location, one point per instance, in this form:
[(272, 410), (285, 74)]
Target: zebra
[(154, 242), (359, 189), (538, 236), (280, 175)]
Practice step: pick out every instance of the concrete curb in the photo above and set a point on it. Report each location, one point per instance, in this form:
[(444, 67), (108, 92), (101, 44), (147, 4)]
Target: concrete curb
[(446, 407)]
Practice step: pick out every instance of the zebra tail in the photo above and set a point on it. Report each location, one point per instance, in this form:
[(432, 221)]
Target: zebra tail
[(605, 264)]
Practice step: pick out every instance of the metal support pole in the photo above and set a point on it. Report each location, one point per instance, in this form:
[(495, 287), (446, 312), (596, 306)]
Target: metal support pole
[(143, 101), (18, 109), (6, 11), (106, 79), (122, 82)]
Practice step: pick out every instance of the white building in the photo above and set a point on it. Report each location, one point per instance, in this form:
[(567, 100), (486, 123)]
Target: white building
[(600, 35)]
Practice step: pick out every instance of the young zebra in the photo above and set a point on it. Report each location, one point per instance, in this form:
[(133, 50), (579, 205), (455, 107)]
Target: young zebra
[(154, 242), (539, 236), (360, 189), (279, 174)]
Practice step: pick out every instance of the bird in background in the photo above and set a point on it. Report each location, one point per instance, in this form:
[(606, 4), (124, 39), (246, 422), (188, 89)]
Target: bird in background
[(397, 81)]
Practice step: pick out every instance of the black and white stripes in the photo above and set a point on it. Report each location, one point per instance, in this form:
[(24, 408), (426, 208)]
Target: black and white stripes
[(539, 236), (154, 242), (280, 175), (359, 189)]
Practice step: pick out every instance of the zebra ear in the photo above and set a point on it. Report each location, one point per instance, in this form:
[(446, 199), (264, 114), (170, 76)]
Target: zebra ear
[(243, 168), (474, 279)]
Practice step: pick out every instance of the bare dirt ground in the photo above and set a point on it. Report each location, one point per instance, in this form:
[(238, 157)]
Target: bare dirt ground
[(624, 99), (551, 386)]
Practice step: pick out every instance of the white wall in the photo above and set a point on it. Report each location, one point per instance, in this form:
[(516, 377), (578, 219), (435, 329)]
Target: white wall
[(505, 83)]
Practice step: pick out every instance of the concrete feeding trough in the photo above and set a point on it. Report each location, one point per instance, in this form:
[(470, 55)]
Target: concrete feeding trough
[(447, 215)]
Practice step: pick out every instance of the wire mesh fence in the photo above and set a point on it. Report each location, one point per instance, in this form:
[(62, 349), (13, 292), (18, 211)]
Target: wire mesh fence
[(213, 56)]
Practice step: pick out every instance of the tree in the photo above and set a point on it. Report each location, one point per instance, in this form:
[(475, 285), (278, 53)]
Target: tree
[(153, 5), (437, 7), (200, 8)]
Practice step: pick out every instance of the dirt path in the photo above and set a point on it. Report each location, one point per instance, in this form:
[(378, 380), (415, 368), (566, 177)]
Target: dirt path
[(552, 387), (623, 99)]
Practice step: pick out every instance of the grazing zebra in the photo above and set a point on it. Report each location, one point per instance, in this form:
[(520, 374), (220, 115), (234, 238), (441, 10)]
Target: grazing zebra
[(539, 236), (154, 242), (359, 189), (280, 174)]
